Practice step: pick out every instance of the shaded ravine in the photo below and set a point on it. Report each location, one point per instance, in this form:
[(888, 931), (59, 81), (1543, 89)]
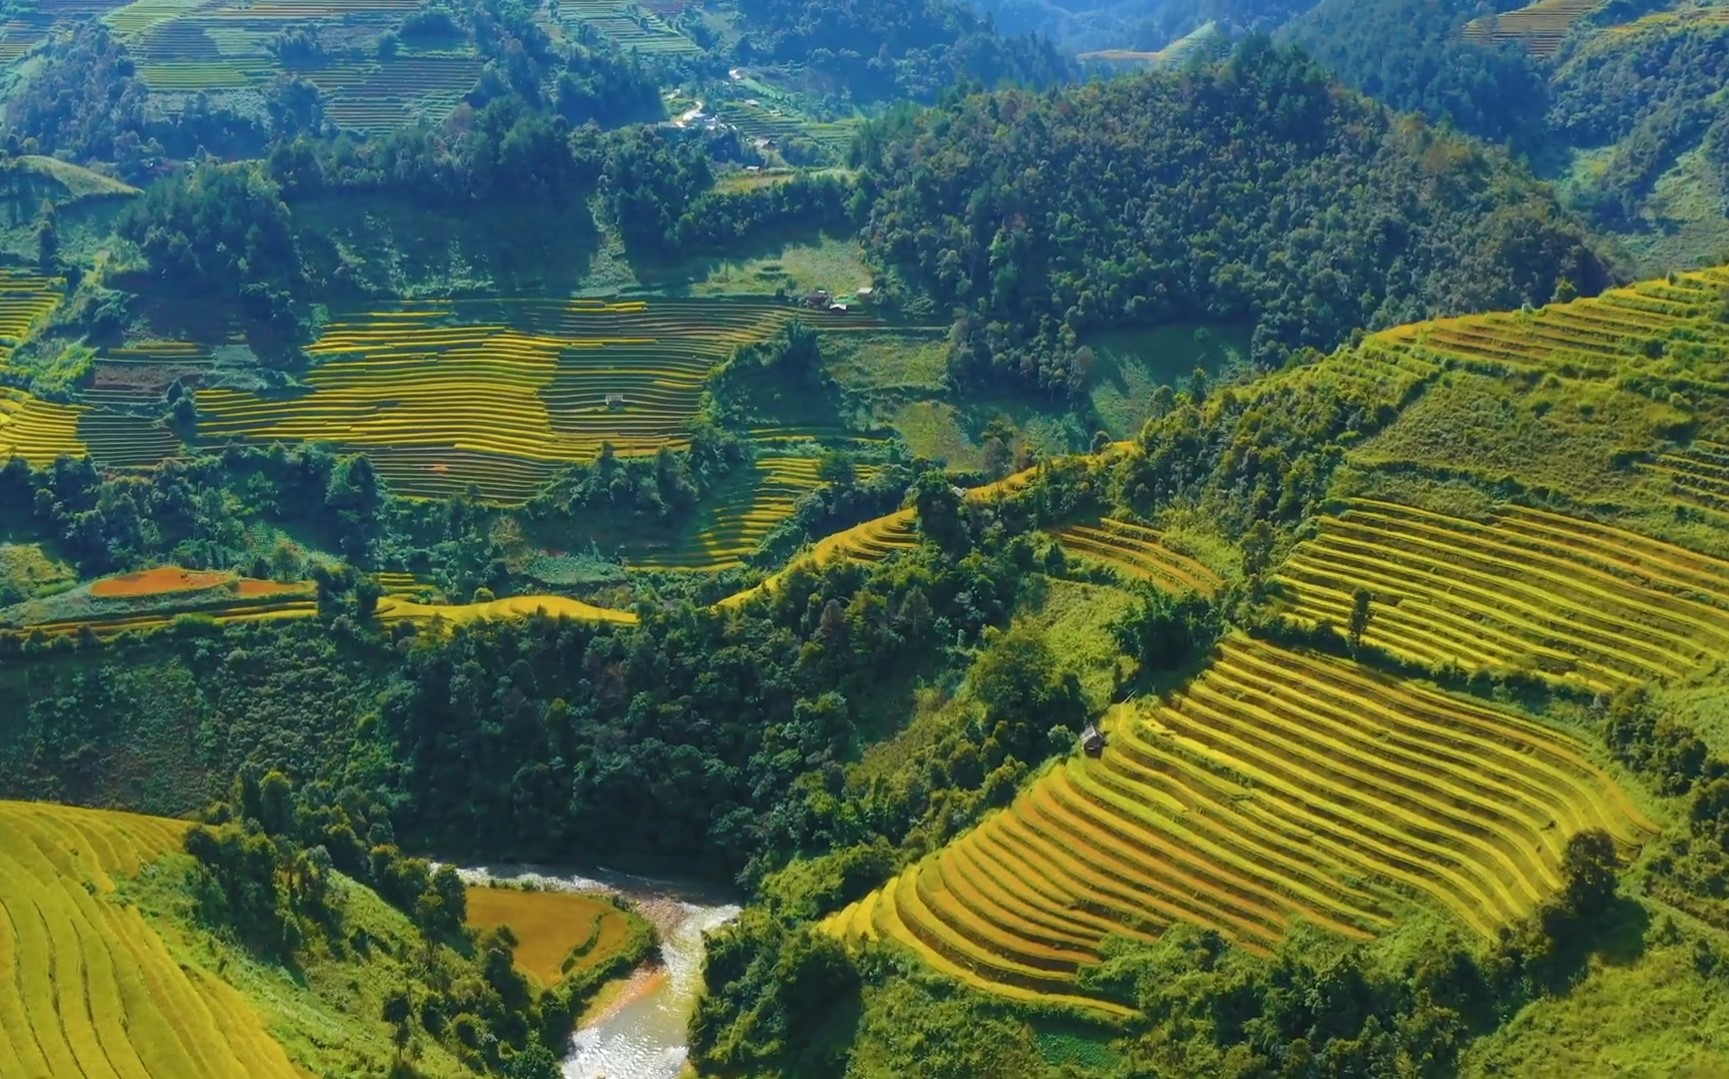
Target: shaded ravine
[(639, 1030)]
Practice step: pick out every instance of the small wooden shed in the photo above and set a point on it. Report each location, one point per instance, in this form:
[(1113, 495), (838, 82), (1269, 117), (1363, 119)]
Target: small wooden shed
[(615, 400), (1092, 741)]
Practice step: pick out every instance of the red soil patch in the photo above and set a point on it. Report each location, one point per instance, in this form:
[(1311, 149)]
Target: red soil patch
[(154, 582)]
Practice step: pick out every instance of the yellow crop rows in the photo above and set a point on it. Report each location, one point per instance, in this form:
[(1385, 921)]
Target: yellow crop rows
[(392, 608), (1138, 552), (500, 395), (1685, 18), (733, 526), (38, 430), (1625, 329), (24, 298), (1279, 785), (1563, 597), (1540, 26), (92, 990)]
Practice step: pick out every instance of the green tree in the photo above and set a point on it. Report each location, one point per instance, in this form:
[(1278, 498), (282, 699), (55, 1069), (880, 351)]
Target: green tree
[(941, 512), (1588, 871), (1257, 546), (1361, 615), (836, 467), (998, 445), (47, 238)]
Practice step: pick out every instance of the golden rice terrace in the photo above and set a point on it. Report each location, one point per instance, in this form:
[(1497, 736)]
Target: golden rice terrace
[(1277, 785)]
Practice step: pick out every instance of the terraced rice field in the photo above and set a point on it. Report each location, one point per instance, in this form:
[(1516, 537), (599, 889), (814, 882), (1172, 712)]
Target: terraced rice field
[(117, 439), (500, 395), (156, 582), (550, 926), (38, 430), (642, 31), (1568, 599), (1626, 329), (1540, 27), (266, 601), (1278, 785), (24, 299), (92, 990), (185, 46), (1171, 55), (398, 609), (1685, 18), (384, 96), (737, 521), (762, 121), (1698, 474), (1137, 552)]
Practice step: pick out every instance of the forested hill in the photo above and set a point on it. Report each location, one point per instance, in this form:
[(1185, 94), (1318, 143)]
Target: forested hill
[(1254, 190), (1413, 56), (1625, 110), (896, 48)]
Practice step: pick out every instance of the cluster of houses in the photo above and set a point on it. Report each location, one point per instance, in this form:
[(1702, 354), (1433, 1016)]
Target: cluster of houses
[(820, 299)]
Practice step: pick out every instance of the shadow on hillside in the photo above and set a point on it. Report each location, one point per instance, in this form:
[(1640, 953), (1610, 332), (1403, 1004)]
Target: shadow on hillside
[(382, 244)]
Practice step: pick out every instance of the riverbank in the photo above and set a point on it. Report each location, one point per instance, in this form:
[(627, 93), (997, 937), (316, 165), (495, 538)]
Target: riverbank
[(635, 1028)]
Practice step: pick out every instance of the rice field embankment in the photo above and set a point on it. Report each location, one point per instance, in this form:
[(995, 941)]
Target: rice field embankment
[(499, 395), (1278, 785), (1566, 599)]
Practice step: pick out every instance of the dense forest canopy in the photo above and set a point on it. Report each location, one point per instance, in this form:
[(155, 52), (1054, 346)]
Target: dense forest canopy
[(1414, 58), (1040, 219), (896, 48)]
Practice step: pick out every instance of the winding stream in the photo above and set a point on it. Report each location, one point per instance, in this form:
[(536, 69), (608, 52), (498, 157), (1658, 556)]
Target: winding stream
[(639, 1033)]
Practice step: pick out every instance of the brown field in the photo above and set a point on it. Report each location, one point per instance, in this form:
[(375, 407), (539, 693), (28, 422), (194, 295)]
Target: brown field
[(549, 926), (154, 582)]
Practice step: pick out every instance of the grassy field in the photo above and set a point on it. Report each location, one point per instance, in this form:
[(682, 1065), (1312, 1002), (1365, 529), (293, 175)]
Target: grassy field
[(95, 990), (1130, 364), (1659, 1015), (1277, 786)]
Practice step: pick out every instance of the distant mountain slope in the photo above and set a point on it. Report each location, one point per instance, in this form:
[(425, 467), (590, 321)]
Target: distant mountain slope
[(894, 48), (1251, 191), (1136, 25), (1629, 111)]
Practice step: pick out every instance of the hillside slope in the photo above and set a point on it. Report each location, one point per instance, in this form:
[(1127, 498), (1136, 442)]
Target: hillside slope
[(95, 990), (1251, 192), (1622, 105)]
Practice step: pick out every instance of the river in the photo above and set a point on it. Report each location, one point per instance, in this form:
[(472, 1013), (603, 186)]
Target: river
[(638, 1030)]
